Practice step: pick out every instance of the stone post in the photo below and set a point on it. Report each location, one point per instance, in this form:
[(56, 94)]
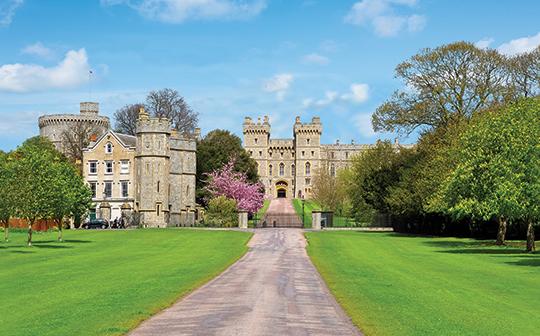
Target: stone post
[(316, 220), (105, 210), (242, 219)]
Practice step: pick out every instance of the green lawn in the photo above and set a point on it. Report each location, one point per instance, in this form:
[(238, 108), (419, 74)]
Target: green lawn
[(105, 282), (309, 206), (393, 284)]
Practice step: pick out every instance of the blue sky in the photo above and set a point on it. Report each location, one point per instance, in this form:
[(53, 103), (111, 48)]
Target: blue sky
[(232, 58)]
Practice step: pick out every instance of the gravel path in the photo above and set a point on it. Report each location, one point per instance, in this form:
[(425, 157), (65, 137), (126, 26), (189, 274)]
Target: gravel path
[(273, 290)]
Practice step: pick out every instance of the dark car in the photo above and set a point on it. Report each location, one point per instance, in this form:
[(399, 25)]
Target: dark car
[(96, 224)]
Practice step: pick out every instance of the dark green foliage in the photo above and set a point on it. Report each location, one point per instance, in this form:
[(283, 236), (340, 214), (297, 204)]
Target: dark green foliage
[(221, 212)]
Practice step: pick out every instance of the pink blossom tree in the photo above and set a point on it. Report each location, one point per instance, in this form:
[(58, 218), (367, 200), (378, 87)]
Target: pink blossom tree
[(234, 185)]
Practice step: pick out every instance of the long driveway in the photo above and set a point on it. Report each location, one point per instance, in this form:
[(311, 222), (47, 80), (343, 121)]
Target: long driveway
[(273, 290)]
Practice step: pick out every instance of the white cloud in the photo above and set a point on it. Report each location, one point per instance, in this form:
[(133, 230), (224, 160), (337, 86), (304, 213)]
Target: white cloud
[(178, 11), (362, 121), (70, 72), (278, 84), (7, 11), (484, 43), (38, 49), (315, 58), (381, 15), (520, 45), (359, 93)]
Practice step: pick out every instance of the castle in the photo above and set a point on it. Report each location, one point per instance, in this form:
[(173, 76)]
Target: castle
[(286, 166), (150, 175)]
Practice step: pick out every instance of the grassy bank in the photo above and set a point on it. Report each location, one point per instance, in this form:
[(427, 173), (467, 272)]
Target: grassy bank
[(105, 282), (404, 285)]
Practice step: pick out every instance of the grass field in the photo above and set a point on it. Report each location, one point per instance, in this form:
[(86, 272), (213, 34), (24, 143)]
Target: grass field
[(402, 285), (105, 282), (309, 206), (260, 213)]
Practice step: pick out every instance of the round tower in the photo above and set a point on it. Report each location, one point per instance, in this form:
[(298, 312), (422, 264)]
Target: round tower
[(152, 166), (53, 126)]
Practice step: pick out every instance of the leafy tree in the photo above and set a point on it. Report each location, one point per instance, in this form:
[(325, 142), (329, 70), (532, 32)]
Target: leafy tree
[(34, 171), (222, 212), (7, 188), (164, 103), (442, 85), (525, 73), (498, 169), (327, 191), (375, 171), (234, 185), (75, 140), (214, 151)]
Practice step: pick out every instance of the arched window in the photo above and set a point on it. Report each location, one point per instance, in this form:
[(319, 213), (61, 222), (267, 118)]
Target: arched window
[(281, 169), (270, 170), (293, 170), (308, 168), (108, 148), (332, 170)]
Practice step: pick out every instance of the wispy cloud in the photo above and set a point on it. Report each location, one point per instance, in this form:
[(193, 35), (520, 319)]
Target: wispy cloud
[(362, 121), (278, 84), (358, 93), (520, 45), (7, 11), (315, 58), (484, 43), (38, 49), (179, 11), (70, 72), (382, 16)]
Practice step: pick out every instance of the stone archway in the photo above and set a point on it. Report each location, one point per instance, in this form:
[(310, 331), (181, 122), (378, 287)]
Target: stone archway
[(281, 189)]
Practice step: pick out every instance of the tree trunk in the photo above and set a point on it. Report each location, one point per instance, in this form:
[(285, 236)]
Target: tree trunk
[(30, 233), (531, 247), (501, 235), (60, 232), (6, 231)]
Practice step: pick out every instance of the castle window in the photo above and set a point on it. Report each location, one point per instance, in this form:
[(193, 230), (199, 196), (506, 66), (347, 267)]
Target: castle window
[(108, 167), (308, 140), (93, 187), (158, 209), (270, 170), (332, 170), (293, 169), (260, 153), (303, 153), (312, 153), (107, 191), (108, 148), (308, 168), (92, 167), (281, 169), (157, 186), (308, 181), (256, 140), (125, 188), (124, 167), (281, 154), (332, 155), (346, 155)]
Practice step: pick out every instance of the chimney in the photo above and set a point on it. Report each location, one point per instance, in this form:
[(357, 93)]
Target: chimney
[(352, 142)]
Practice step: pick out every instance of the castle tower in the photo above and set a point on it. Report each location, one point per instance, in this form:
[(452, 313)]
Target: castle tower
[(256, 142), (307, 142), (53, 126), (152, 166)]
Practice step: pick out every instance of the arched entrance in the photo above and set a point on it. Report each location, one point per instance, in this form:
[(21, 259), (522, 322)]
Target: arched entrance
[(281, 188)]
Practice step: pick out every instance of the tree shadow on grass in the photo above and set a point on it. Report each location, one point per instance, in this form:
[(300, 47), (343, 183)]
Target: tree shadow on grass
[(50, 246), (21, 252), (473, 247), (532, 259), (77, 241), (484, 251)]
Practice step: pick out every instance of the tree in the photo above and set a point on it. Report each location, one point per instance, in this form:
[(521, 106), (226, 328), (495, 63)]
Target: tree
[(326, 190), (222, 212), (214, 151), (525, 73), (125, 119), (235, 185), (7, 188), (35, 180), (76, 139), (498, 169), (165, 103), (444, 84)]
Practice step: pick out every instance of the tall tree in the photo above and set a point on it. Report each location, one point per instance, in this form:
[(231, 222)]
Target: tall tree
[(326, 190), (214, 151), (525, 73), (443, 84), (125, 119), (7, 188), (164, 103), (498, 169)]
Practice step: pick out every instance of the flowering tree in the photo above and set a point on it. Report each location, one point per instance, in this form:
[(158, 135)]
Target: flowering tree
[(234, 185)]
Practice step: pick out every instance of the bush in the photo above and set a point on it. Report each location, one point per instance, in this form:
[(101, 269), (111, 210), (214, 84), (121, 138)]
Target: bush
[(222, 212)]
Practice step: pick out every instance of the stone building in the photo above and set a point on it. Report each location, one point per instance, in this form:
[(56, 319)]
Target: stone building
[(53, 126), (151, 174), (286, 166)]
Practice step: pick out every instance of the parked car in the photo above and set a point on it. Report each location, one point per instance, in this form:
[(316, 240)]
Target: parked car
[(96, 224)]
